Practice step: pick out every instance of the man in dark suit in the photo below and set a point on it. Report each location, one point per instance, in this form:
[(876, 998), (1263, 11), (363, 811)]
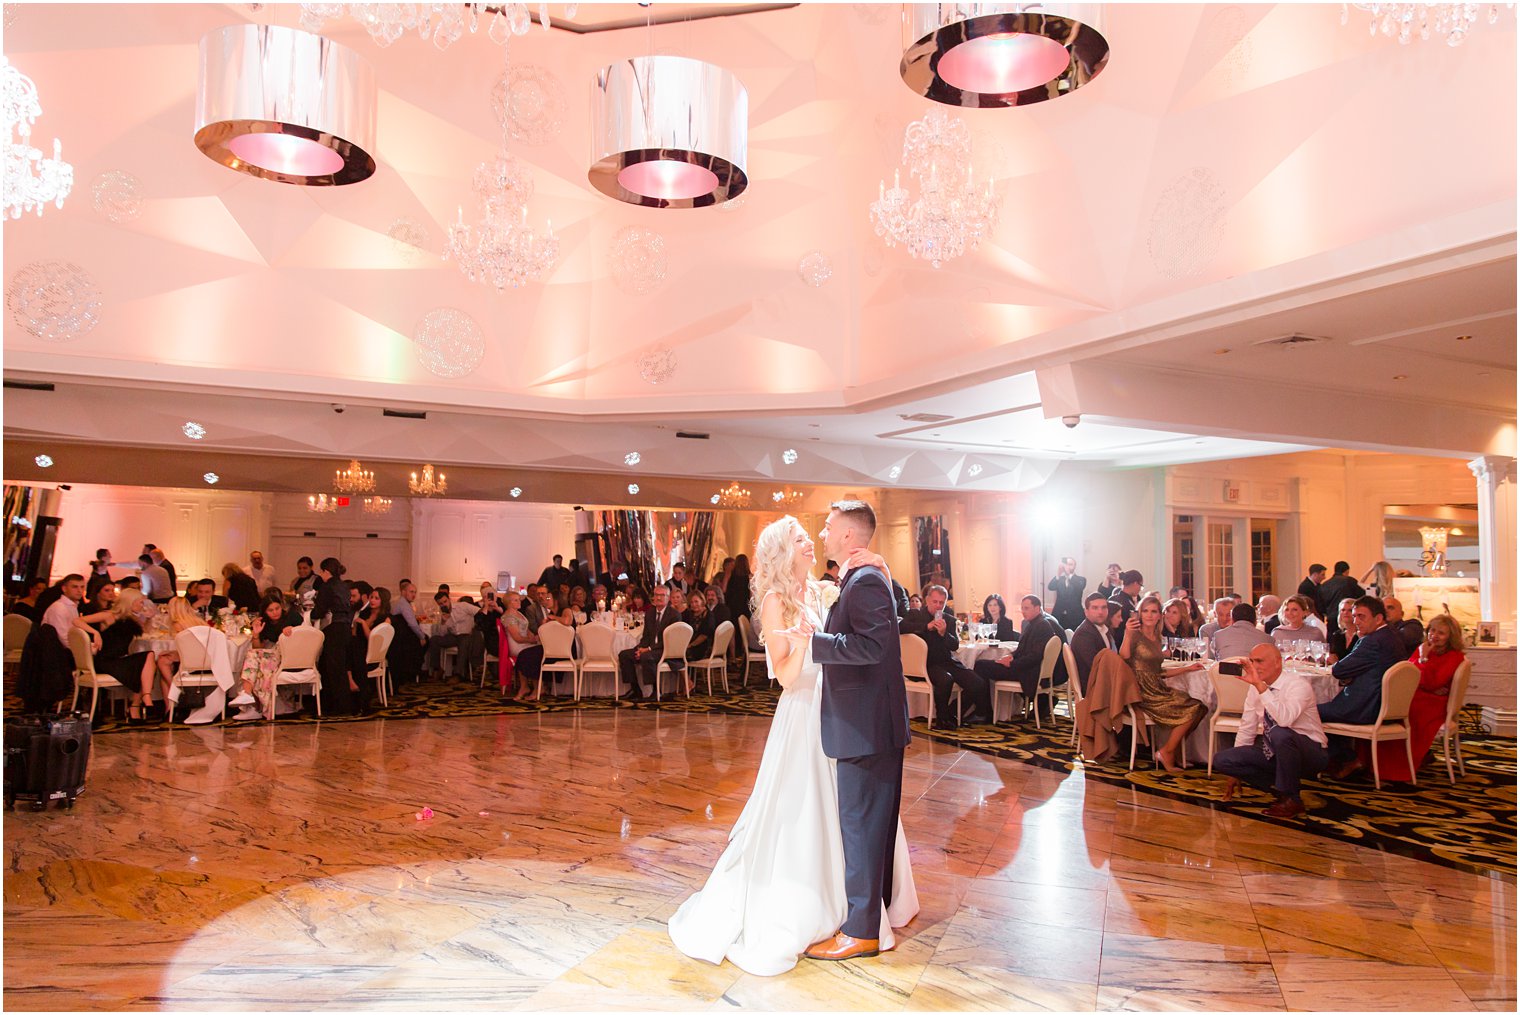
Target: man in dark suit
[(1068, 587), (203, 599), (1127, 596), (1092, 636), (642, 661), (1377, 648), (1329, 595), (1309, 587), (1024, 664), (937, 628), (716, 608), (864, 725), (1410, 632)]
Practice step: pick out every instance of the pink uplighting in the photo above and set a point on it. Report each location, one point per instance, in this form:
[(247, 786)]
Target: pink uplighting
[(668, 180), (1002, 64), (286, 153)]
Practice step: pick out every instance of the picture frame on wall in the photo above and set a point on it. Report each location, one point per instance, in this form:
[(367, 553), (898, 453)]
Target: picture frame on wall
[(1488, 633)]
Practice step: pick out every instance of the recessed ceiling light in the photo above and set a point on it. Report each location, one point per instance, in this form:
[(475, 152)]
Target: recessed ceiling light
[(212, 478), (789, 456), (894, 472), (633, 488), (974, 471), (193, 430), (44, 461), (632, 458), (715, 498), (515, 492), (1464, 338), (1401, 377)]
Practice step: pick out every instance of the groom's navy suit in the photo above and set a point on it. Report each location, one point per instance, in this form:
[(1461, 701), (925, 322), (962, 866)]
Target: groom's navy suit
[(864, 718)]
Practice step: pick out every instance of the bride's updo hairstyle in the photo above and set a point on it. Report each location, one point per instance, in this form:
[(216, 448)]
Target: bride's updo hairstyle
[(775, 571)]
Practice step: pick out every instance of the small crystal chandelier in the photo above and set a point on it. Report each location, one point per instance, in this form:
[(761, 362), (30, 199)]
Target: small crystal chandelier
[(354, 479), (732, 496), (444, 23), (952, 213), (321, 503), (788, 498), (428, 485), (31, 181), (1451, 22), (377, 505)]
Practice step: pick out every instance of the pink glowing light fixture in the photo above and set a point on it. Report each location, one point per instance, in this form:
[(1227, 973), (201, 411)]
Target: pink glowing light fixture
[(668, 180), (285, 105), (990, 55)]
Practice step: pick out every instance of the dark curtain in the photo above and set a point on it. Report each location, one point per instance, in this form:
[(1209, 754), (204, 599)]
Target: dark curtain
[(628, 539), (698, 538)]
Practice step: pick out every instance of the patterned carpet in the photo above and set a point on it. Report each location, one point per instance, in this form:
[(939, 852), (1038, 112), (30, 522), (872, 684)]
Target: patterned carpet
[(1469, 826)]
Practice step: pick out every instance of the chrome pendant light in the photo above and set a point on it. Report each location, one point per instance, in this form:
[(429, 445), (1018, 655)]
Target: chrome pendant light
[(991, 55), (285, 105)]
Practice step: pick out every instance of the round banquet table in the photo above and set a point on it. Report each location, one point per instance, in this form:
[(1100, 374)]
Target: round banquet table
[(972, 651), (1196, 684), (160, 642)]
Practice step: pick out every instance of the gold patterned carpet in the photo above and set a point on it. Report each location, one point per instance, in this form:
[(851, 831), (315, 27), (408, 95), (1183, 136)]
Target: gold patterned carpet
[(1469, 826)]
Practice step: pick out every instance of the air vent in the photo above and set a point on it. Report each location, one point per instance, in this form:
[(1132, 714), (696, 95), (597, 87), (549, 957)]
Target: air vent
[(923, 417), (403, 414), (1292, 341), (688, 436), (30, 385)]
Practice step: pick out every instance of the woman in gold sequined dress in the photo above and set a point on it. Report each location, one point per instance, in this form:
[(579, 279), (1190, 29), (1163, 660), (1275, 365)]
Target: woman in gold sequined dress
[(1163, 703)]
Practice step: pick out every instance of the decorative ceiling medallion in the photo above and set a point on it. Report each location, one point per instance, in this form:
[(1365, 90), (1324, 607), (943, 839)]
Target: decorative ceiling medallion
[(992, 55), (789, 456), (449, 343), (285, 105), (815, 268), (658, 365), (1227, 36), (118, 196), (409, 237), (529, 102), (668, 132), (1187, 224), (638, 259), (193, 430), (974, 471), (53, 300), (632, 458)]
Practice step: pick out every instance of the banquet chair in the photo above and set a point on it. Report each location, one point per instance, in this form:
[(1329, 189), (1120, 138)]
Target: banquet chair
[(753, 651), (718, 660), (16, 629), (1399, 685), (1045, 685), (596, 656), (677, 636), (1136, 719), (1451, 729), (1073, 686), (559, 656), (379, 648), (915, 664), (1229, 707), (299, 651), (195, 665), (84, 671)]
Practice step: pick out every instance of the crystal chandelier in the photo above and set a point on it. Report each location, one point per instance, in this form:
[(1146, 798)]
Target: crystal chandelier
[(732, 496), (788, 498), (31, 181), (321, 503), (444, 23), (354, 479), (428, 485), (1449, 21), (377, 505), (952, 213)]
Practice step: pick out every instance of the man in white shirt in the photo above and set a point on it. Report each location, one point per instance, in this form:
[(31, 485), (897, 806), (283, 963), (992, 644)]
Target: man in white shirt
[(262, 574), (1280, 741), (156, 583), (456, 629), (1241, 636), (63, 616)]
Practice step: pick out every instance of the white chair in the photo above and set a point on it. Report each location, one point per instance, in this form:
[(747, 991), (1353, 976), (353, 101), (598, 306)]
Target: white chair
[(558, 642), (915, 664), (16, 629), (1399, 685), (754, 652), (718, 659), (299, 652), (1135, 718), (1045, 684), (84, 671), (375, 655), (677, 636), (596, 656), (1073, 686), (1451, 729), (195, 665), (1229, 706)]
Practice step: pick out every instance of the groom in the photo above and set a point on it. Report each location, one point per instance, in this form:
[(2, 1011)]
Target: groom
[(865, 727)]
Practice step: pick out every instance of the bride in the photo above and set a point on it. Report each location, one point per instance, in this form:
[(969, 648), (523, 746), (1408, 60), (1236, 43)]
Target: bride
[(779, 885)]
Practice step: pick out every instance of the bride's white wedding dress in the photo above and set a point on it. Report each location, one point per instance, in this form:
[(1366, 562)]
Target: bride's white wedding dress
[(779, 885)]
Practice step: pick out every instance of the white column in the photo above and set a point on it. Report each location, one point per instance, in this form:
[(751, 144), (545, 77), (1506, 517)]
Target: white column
[(1496, 538)]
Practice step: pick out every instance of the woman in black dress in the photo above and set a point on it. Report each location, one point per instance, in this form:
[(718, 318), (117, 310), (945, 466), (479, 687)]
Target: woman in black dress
[(995, 611), (240, 588), (338, 685), (117, 629), (737, 595)]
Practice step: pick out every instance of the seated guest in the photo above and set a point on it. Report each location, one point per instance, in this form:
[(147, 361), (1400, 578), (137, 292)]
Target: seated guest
[(136, 671), (677, 600), (406, 654), (261, 666), (1438, 657), (702, 627), (1092, 635), (995, 611), (1377, 648), (1024, 664), (643, 660), (575, 614), (1163, 703), (456, 629), (239, 588), (1280, 740), (599, 598), (636, 603), (157, 585), (915, 602), (305, 579), (183, 616), (1178, 621), (523, 648), (1410, 632), (680, 581), (202, 597), (1128, 593), (1221, 618), (26, 606), (46, 673), (1343, 638), (937, 627), (1266, 609), (1240, 637), (717, 608), (1291, 624)]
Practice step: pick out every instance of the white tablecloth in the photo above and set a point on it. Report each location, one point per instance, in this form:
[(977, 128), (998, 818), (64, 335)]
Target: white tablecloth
[(970, 652), (1197, 684)]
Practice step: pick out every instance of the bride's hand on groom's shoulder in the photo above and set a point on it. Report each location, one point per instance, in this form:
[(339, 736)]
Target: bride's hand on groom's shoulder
[(861, 557)]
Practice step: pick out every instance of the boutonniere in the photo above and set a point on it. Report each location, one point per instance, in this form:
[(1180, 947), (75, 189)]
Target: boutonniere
[(829, 593)]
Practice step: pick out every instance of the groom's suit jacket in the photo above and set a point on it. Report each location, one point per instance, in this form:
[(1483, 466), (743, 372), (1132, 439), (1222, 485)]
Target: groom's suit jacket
[(865, 702)]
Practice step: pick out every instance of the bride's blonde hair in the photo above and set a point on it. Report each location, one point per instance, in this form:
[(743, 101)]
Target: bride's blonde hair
[(775, 571)]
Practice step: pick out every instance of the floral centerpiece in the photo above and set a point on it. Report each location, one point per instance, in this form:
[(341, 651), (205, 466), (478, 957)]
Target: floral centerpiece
[(233, 621)]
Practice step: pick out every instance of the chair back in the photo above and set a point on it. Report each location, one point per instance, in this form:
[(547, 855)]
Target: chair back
[(380, 643), (1229, 692), (722, 638), (16, 628), (1399, 685), (1048, 661), (915, 656), (300, 649), (747, 628), (1073, 679), (677, 638), (1458, 695), (557, 640), (596, 642), (192, 653), (79, 644)]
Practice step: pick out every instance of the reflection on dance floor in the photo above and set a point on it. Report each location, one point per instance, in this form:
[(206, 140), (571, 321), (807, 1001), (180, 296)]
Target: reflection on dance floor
[(287, 867)]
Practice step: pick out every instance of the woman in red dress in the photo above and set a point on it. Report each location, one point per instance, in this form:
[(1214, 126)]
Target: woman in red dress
[(1438, 657)]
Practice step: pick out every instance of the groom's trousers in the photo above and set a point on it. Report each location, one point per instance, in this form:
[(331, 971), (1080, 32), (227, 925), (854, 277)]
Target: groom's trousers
[(870, 794)]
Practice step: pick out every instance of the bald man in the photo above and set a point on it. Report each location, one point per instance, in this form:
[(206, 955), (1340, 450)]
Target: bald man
[(1280, 740)]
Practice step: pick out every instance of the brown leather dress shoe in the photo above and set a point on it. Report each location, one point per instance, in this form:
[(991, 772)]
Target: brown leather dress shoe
[(1287, 807), (841, 946)]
